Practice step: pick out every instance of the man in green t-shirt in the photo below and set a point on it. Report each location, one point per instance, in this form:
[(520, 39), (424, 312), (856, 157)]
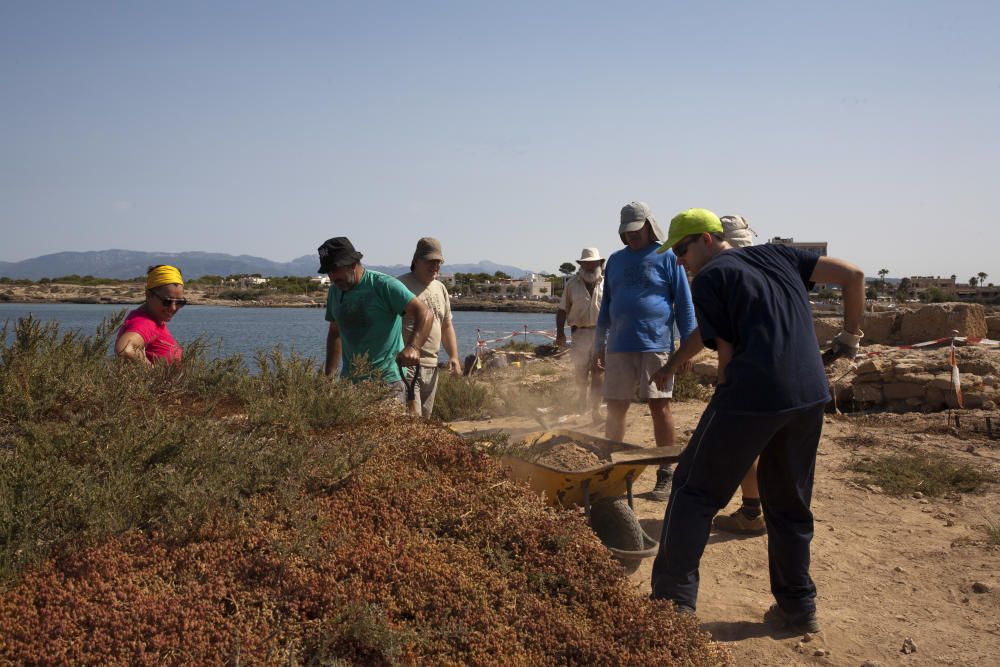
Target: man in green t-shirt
[(365, 309)]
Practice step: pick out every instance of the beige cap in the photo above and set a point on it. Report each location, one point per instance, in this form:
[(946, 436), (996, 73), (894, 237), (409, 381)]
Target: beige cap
[(428, 248)]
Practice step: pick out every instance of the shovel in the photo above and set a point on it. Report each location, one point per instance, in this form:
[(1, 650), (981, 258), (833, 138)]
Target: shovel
[(412, 401)]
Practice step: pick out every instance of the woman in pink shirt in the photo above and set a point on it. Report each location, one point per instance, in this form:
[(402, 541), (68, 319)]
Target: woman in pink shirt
[(144, 335)]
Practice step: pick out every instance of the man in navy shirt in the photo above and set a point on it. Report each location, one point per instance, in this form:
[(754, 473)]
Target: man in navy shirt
[(752, 306)]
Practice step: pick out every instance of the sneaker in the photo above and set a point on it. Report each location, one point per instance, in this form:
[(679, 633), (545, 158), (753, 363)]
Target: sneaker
[(799, 623), (739, 522), (662, 489)]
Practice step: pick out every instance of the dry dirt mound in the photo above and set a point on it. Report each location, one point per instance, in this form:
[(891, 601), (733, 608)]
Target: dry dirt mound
[(425, 554)]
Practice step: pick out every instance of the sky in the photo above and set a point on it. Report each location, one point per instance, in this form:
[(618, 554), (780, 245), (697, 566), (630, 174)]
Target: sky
[(511, 131)]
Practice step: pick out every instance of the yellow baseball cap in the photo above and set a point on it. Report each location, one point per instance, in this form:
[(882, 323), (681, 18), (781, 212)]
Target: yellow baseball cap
[(691, 221)]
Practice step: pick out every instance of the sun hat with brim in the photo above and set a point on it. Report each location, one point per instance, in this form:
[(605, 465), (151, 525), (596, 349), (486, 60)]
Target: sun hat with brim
[(590, 255), (691, 221)]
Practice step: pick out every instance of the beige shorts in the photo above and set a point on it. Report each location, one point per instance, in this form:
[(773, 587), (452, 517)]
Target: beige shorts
[(624, 370)]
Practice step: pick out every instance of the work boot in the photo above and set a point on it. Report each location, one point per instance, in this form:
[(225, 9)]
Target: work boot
[(683, 609), (662, 489), (799, 623), (738, 522)]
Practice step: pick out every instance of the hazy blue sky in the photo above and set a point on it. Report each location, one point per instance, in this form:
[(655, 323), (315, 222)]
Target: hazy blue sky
[(511, 131)]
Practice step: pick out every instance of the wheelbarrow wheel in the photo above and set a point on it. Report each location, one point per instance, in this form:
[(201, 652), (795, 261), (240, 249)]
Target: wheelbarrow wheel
[(616, 524)]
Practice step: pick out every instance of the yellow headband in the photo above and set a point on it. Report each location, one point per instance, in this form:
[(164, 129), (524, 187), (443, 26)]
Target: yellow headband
[(164, 275)]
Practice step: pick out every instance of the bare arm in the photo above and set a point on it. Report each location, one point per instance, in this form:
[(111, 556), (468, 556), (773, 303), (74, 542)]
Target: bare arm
[(333, 350), (560, 325), (451, 347), (131, 346), (852, 280), (679, 360)]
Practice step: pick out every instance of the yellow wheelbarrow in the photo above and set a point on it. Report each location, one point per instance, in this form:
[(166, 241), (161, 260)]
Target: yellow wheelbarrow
[(603, 489)]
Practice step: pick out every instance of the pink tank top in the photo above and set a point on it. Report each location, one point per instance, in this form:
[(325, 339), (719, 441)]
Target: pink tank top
[(159, 343)]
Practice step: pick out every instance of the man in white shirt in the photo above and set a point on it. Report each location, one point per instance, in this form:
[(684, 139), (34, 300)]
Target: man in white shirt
[(422, 281), (580, 305)]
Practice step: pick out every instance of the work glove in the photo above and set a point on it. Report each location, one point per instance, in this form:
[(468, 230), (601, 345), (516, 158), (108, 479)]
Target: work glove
[(844, 346)]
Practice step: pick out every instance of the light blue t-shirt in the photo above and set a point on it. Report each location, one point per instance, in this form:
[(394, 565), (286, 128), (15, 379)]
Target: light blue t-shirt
[(370, 319), (644, 294)]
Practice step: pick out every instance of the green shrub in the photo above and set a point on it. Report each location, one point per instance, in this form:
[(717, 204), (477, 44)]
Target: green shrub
[(92, 446), (460, 398)]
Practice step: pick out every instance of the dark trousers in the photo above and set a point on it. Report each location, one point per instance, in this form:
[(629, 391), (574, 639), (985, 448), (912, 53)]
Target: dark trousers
[(709, 471)]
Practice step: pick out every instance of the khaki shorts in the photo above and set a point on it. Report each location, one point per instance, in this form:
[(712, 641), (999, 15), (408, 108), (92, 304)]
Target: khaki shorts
[(624, 370)]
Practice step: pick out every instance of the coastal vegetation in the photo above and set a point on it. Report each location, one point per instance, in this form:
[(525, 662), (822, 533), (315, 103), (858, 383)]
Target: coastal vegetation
[(906, 472), (200, 513)]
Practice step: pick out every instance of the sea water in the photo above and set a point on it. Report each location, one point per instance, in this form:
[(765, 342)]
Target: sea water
[(242, 330)]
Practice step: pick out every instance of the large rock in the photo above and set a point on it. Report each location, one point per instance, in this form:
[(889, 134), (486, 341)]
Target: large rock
[(938, 320), (827, 328), (880, 328), (993, 327)]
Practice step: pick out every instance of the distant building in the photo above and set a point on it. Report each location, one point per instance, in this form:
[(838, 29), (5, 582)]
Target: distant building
[(818, 247), (920, 284), (322, 280), (532, 287), (448, 279)]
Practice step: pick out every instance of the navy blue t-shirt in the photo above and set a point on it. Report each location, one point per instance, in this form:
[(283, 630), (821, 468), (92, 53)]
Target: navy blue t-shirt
[(757, 298)]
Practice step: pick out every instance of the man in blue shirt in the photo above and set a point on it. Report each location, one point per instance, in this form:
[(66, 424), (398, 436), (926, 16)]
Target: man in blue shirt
[(365, 309), (645, 294), (752, 306)]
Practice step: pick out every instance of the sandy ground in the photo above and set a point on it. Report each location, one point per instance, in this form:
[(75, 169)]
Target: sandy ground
[(886, 568)]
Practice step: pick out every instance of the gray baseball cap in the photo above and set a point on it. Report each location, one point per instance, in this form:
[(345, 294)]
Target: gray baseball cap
[(636, 214)]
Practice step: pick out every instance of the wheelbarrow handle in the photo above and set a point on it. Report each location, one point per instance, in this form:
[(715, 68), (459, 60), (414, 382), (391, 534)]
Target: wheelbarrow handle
[(651, 455)]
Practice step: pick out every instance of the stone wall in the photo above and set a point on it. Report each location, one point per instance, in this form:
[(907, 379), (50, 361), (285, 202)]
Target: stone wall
[(902, 380), (993, 326), (907, 326), (921, 381)]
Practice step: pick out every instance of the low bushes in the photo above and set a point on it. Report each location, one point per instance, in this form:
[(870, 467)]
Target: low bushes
[(198, 514), (460, 398)]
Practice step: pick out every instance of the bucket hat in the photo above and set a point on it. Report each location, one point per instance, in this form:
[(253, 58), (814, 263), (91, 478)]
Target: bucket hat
[(337, 252), (590, 255)]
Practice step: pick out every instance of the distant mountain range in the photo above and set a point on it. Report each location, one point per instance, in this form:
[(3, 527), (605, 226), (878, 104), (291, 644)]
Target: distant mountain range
[(125, 264)]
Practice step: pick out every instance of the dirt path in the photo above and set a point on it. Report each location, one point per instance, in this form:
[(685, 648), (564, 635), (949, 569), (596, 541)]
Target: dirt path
[(886, 568)]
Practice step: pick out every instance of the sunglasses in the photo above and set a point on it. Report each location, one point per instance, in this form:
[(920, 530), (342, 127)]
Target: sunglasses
[(167, 301), (681, 248)]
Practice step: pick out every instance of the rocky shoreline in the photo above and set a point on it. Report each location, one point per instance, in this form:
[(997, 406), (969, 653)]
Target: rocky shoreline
[(133, 294)]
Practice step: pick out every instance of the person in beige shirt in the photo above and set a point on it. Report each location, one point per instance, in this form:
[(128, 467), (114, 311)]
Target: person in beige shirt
[(580, 305), (422, 281)]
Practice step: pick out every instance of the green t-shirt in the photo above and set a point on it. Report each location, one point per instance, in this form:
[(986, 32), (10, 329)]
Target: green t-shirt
[(369, 317)]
